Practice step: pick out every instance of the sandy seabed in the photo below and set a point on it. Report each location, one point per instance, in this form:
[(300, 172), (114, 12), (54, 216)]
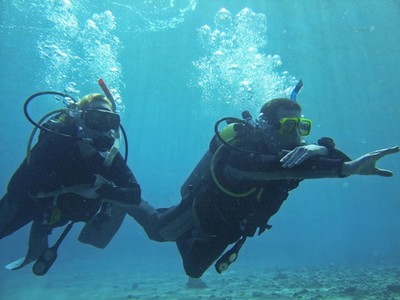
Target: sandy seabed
[(331, 282)]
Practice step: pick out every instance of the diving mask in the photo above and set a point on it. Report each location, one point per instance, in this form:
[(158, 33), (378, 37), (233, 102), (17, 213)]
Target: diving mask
[(302, 125), (101, 120)]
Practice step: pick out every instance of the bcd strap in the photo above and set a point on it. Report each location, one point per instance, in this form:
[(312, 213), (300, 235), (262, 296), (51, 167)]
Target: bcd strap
[(214, 171)]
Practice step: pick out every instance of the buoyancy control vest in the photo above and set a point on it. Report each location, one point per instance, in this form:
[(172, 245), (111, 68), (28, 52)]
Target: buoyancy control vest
[(205, 171)]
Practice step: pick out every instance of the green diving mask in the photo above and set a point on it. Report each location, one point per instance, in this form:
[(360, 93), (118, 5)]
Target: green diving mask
[(101, 120), (302, 125)]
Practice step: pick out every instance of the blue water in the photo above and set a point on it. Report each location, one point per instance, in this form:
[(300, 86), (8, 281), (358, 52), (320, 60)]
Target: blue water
[(178, 66)]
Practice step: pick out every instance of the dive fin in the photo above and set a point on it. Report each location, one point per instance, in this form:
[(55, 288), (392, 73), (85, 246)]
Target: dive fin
[(102, 227), (230, 256), (19, 263), (38, 242)]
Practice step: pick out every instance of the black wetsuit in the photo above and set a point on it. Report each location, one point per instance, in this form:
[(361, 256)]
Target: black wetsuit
[(55, 163), (213, 215)]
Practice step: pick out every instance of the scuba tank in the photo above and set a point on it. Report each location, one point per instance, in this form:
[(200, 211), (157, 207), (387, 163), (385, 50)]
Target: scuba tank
[(204, 172), (199, 176)]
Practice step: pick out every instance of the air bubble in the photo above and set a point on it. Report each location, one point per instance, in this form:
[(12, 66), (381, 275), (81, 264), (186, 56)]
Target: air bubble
[(235, 68)]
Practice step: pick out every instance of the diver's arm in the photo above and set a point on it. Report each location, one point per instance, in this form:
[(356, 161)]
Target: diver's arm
[(300, 154), (101, 189), (122, 196), (306, 161), (117, 186), (56, 167), (270, 168), (85, 190), (325, 147), (125, 190), (62, 173)]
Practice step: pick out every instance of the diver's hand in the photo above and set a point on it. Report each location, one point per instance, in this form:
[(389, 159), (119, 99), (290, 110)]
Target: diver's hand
[(300, 154), (365, 165), (92, 191)]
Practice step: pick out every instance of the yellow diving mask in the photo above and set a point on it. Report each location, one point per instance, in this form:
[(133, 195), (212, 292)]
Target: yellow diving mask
[(302, 125)]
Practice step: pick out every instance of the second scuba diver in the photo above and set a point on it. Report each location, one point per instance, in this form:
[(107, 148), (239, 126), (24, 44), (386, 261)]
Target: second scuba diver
[(74, 173)]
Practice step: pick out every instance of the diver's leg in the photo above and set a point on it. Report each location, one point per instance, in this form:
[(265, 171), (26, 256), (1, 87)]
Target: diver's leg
[(174, 222), (147, 217), (163, 224)]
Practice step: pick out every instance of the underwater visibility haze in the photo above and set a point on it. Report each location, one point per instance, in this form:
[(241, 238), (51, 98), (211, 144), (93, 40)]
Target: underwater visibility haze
[(175, 68)]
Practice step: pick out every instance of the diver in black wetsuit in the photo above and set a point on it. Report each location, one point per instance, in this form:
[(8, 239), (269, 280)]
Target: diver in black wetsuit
[(74, 173), (242, 181)]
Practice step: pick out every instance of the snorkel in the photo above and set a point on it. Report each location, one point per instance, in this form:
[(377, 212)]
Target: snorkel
[(107, 93), (293, 96), (296, 90), (117, 141)]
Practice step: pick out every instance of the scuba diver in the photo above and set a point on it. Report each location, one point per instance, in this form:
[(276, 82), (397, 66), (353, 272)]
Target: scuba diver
[(74, 173), (242, 181)]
